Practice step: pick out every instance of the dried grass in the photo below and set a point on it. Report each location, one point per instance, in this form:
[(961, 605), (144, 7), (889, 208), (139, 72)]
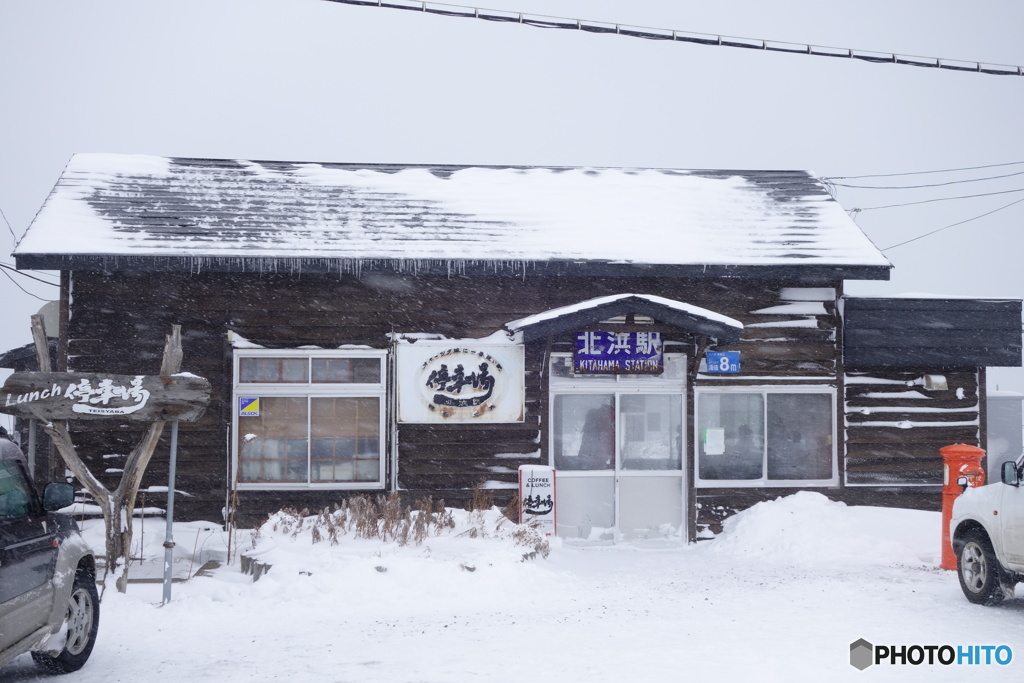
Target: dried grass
[(383, 517), (386, 519)]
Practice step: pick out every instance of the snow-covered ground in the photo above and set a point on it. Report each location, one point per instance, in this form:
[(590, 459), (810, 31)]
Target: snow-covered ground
[(780, 595)]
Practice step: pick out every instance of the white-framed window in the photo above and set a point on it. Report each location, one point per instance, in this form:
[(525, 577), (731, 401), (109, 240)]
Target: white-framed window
[(765, 436), (309, 418)]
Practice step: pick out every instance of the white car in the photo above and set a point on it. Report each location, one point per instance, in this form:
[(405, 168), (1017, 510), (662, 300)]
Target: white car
[(987, 532)]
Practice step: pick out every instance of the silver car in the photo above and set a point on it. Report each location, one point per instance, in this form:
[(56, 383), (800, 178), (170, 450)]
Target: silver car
[(49, 605)]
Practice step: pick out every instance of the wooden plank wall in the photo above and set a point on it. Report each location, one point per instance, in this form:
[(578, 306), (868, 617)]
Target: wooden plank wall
[(896, 426), (789, 333), (959, 333), (117, 325), (118, 322)]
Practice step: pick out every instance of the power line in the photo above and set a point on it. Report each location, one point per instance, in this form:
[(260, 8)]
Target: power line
[(944, 170), (43, 273), (937, 199), (916, 187), (953, 225), (14, 267), (20, 287), (9, 226), (650, 33), (31, 277)]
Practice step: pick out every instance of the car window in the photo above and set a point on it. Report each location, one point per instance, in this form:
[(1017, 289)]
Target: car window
[(15, 497)]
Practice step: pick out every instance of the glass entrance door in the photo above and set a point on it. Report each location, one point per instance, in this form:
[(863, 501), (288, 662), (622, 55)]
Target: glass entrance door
[(583, 454), (617, 445), (649, 479)]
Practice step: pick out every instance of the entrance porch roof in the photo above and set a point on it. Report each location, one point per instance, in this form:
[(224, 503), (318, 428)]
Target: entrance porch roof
[(669, 311)]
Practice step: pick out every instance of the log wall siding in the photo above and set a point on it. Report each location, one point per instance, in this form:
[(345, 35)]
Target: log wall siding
[(951, 333), (117, 323), (775, 347), (895, 427)]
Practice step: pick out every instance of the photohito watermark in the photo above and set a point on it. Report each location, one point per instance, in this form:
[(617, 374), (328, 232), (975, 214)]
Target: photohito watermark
[(863, 654)]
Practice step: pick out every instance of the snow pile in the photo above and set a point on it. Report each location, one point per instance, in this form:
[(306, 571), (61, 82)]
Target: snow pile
[(372, 583), (809, 529), (464, 606), (297, 544), (195, 542)]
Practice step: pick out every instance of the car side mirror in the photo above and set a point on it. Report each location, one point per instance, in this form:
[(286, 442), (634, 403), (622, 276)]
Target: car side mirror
[(57, 495), (1010, 474), (962, 483)]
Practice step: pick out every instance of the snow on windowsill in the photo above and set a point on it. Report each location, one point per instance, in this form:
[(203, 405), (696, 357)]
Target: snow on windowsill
[(511, 456), (240, 342), (491, 484)]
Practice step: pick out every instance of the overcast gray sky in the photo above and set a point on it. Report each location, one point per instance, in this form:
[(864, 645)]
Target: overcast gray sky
[(309, 80)]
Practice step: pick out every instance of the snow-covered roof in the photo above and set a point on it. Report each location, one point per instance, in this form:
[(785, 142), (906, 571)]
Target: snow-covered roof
[(129, 211)]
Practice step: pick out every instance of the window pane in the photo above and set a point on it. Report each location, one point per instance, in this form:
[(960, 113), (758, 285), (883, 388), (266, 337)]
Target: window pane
[(294, 370), (290, 370), (346, 439), (584, 432), (650, 506), (675, 367), (799, 436), (730, 436), (14, 492), (250, 369), (561, 366), (273, 445), (651, 431), (586, 507), (346, 370)]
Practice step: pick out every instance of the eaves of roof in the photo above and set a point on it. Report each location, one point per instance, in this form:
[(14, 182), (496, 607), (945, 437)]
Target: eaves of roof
[(816, 272)]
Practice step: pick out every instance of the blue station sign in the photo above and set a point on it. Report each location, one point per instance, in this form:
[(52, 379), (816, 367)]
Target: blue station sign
[(618, 353), (722, 361)]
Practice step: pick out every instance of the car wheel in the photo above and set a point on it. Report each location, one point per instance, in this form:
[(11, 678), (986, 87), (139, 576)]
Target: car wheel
[(81, 620), (978, 569)]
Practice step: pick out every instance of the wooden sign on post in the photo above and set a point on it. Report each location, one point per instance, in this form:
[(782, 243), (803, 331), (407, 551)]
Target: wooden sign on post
[(93, 396)]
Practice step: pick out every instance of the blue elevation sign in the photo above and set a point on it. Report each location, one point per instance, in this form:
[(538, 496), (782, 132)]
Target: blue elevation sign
[(722, 361)]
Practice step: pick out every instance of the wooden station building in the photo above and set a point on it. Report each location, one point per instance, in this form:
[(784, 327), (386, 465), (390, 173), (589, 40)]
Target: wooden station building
[(676, 344)]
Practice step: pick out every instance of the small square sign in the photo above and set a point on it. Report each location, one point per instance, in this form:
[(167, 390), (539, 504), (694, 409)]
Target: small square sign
[(722, 361), (248, 407), (714, 441)]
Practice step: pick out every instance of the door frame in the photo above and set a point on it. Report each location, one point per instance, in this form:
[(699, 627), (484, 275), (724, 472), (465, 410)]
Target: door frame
[(617, 386)]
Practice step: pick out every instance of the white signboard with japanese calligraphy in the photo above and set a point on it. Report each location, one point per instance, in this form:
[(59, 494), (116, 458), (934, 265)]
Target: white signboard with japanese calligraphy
[(77, 396), (460, 381), (537, 497), (618, 353)]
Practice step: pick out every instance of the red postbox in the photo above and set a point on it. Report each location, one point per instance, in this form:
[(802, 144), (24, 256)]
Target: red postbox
[(959, 460)]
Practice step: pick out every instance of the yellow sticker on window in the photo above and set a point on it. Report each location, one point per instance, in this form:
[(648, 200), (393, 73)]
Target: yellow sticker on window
[(248, 407)]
